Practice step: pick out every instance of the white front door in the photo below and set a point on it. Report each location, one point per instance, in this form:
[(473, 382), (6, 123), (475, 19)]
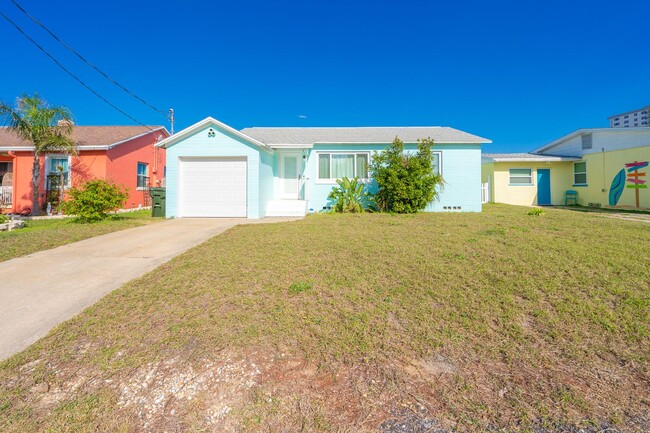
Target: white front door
[(290, 165)]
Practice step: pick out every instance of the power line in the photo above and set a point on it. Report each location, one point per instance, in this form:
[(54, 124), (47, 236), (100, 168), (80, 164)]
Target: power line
[(70, 73), (105, 75)]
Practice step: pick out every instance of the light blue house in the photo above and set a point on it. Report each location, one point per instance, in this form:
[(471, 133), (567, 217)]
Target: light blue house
[(214, 170)]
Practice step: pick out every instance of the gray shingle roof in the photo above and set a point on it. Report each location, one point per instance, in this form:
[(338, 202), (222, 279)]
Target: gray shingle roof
[(83, 135), (308, 136)]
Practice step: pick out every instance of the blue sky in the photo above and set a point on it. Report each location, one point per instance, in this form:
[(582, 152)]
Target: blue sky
[(521, 73)]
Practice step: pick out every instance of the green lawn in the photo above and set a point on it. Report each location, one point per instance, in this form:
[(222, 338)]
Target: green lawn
[(340, 322), (44, 234)]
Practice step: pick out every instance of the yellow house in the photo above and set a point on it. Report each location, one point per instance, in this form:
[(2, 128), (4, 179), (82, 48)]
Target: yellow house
[(601, 167)]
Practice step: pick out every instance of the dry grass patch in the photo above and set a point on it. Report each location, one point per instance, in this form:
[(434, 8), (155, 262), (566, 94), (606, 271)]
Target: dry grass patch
[(349, 322), (44, 234)]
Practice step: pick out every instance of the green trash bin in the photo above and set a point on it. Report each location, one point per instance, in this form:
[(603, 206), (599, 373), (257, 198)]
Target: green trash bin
[(157, 202)]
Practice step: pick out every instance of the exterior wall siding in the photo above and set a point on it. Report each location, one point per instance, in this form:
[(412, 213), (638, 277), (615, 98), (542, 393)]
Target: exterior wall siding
[(461, 170), (526, 195), (610, 140), (118, 165), (268, 166), (601, 169), (122, 166), (222, 144), (22, 196)]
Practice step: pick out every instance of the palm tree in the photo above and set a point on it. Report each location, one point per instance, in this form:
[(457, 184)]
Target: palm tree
[(47, 128)]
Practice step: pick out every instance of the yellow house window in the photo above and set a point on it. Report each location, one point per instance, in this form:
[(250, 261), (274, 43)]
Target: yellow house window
[(521, 176), (580, 173)]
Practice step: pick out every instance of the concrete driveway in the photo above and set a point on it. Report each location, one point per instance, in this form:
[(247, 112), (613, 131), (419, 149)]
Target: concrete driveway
[(41, 290)]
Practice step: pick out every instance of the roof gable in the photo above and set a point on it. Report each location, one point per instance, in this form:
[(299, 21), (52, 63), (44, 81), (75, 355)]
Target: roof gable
[(210, 121), (607, 138)]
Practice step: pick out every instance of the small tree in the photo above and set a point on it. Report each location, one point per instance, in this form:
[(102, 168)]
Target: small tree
[(93, 200), (47, 128), (407, 182)]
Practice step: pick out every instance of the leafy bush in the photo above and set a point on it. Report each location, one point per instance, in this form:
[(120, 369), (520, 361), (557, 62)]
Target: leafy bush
[(93, 200), (407, 182), (536, 211), (350, 196), (3, 219)]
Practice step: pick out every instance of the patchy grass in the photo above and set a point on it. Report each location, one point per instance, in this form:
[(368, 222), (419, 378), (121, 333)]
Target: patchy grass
[(339, 322), (44, 234)]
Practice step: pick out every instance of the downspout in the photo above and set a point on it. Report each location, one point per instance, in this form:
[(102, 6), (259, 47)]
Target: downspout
[(155, 161), (157, 181)]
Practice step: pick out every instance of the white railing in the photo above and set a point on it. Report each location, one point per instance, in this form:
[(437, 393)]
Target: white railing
[(6, 195), (485, 193)]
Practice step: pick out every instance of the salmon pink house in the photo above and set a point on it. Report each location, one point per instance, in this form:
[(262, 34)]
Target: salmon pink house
[(125, 155)]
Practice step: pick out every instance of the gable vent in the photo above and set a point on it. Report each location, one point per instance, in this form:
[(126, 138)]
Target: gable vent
[(586, 141)]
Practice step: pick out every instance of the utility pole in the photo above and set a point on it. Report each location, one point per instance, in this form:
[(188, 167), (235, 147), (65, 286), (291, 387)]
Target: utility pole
[(171, 120)]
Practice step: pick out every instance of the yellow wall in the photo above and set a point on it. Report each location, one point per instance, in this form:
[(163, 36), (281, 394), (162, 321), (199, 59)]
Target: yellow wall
[(503, 192), (601, 169)]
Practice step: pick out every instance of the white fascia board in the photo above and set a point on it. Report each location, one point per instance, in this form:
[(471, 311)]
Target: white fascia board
[(291, 146), (549, 159), (16, 148), (170, 141)]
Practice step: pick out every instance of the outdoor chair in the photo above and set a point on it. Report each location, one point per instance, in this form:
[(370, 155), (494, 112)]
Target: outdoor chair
[(571, 195)]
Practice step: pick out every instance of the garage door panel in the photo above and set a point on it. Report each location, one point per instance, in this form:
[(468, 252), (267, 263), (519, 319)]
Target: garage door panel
[(213, 187)]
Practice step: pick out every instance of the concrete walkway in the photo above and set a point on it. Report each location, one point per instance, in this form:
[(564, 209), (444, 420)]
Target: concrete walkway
[(41, 290)]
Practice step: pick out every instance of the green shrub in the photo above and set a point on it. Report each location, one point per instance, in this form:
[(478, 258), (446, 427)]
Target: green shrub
[(3, 219), (407, 182), (349, 196), (536, 211), (93, 200)]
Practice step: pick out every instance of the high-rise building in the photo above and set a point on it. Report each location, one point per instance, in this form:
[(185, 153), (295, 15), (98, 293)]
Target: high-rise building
[(631, 119)]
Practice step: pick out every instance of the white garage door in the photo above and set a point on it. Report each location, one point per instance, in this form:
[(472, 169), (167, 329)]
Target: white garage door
[(213, 187)]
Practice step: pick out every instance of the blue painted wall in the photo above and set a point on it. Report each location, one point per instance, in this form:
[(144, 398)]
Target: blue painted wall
[(268, 172), (222, 144), (461, 170)]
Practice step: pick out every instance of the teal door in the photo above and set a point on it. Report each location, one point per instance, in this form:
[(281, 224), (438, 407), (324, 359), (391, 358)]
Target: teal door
[(543, 187)]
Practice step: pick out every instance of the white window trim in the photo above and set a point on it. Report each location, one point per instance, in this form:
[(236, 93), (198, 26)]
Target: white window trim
[(439, 161), (137, 175), (332, 181), (364, 180), (521, 184), (50, 156), (580, 172)]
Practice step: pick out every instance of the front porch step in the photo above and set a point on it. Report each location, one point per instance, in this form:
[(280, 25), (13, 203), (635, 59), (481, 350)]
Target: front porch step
[(286, 208)]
